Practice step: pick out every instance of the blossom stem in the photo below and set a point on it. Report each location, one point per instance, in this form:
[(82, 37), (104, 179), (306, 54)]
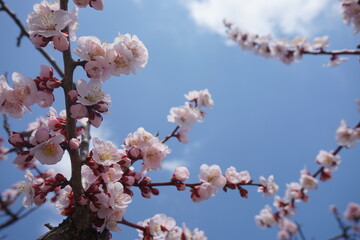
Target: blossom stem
[(171, 135), (333, 52), (130, 224), (23, 33)]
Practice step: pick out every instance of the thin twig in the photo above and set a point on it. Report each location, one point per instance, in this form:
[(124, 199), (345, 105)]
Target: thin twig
[(171, 135), (130, 224), (23, 33)]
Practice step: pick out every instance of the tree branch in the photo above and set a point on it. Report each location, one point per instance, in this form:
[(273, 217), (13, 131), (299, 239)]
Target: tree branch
[(23, 33)]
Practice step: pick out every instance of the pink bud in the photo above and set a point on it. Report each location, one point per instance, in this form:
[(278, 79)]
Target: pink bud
[(39, 41), (42, 134), (97, 4), (46, 72), (40, 199), (93, 69), (135, 153), (17, 140), (181, 174), (73, 94), (78, 111), (146, 181), (95, 119), (60, 178), (145, 192), (181, 136), (23, 157), (129, 180), (45, 99), (55, 123), (61, 43), (101, 106), (74, 143), (53, 83), (83, 200), (81, 3)]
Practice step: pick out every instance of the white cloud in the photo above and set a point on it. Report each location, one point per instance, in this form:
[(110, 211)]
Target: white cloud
[(170, 165), (261, 16)]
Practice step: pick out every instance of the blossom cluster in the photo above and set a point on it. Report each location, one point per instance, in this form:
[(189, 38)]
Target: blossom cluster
[(124, 55), (187, 115), (284, 50), (35, 189), (351, 13), (47, 22), (162, 227), (46, 142), (297, 191), (27, 91)]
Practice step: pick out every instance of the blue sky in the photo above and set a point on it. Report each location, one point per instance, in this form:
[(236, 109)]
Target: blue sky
[(268, 118)]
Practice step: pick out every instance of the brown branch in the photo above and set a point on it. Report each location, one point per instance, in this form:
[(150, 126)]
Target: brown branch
[(170, 135), (130, 224), (192, 185), (16, 218), (333, 52), (23, 33), (85, 141)]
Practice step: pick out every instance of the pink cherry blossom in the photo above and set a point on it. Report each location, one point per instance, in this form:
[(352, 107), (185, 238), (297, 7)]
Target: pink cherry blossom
[(159, 226), (269, 186), (351, 14), (181, 174), (266, 217), (47, 19), (91, 93), (307, 181), (26, 189), (184, 116), (105, 152), (346, 136), (154, 155), (212, 175), (49, 152), (127, 54), (61, 42), (352, 212), (202, 98), (328, 160)]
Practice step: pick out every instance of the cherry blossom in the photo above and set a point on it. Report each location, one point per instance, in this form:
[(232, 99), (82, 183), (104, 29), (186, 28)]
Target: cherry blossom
[(49, 152), (352, 212), (266, 217), (91, 93), (234, 177), (351, 13), (27, 190), (307, 181), (213, 175), (105, 152), (180, 174), (269, 186), (346, 136), (328, 160), (127, 54), (47, 19)]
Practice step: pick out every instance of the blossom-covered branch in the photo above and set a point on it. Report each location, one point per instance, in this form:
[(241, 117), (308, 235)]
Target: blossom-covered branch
[(23, 32)]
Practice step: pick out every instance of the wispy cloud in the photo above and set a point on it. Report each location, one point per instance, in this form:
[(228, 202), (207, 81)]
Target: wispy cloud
[(171, 164), (259, 16)]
